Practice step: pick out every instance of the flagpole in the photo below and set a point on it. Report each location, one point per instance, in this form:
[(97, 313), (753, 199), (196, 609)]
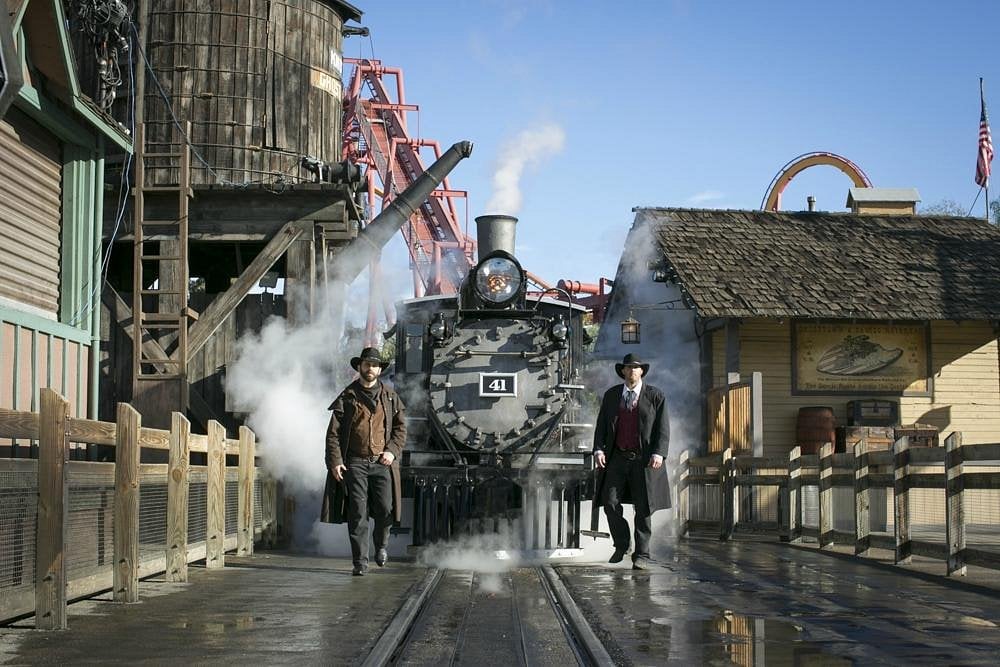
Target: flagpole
[(986, 186)]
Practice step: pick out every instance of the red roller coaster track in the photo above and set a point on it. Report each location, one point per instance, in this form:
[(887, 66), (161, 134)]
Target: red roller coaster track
[(376, 134)]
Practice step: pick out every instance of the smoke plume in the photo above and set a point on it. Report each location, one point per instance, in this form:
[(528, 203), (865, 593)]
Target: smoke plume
[(527, 149)]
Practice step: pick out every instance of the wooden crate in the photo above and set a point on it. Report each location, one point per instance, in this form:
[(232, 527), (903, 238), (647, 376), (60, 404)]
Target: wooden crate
[(920, 435), (877, 437)]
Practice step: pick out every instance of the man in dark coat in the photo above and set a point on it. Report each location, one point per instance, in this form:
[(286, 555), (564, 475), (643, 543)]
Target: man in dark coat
[(364, 443), (630, 445)]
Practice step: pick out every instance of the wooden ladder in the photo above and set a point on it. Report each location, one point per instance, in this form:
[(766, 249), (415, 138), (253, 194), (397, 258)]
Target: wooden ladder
[(166, 321)]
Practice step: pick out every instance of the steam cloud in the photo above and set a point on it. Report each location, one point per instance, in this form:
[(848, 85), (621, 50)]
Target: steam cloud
[(284, 378), (526, 149)]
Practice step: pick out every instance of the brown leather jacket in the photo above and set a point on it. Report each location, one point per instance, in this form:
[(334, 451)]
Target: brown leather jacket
[(343, 408)]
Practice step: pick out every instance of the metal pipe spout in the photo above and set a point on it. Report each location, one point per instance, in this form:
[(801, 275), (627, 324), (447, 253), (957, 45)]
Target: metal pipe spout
[(353, 259)]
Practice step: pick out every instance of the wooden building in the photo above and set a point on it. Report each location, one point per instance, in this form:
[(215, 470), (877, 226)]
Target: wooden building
[(829, 308), (53, 142)]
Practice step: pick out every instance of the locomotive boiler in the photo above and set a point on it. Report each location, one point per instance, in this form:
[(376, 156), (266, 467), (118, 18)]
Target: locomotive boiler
[(490, 377)]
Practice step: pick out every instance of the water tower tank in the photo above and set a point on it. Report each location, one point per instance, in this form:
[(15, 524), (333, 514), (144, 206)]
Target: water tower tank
[(260, 82)]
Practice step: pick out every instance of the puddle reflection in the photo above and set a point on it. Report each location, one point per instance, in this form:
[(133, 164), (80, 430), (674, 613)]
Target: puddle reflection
[(748, 641)]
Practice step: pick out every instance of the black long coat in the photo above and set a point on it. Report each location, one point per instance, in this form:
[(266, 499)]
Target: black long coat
[(654, 437), (335, 494)]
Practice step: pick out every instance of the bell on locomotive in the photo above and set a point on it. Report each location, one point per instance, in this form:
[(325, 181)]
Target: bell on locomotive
[(490, 377)]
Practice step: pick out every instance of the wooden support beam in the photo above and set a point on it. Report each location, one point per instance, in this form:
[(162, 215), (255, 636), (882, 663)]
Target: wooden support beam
[(244, 516), (726, 492), (177, 498), (217, 311), (826, 495), (197, 404), (900, 475), (862, 500), (757, 413), (683, 493), (215, 536), (955, 500), (53, 504), (794, 495), (126, 507)]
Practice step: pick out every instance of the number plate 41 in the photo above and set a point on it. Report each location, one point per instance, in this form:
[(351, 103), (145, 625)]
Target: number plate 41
[(498, 384)]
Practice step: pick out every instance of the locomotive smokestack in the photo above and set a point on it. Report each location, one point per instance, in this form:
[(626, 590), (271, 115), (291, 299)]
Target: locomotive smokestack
[(381, 229), (495, 232)]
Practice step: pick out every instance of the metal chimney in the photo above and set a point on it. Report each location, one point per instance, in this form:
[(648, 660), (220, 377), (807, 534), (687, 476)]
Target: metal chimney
[(811, 202), (495, 232)]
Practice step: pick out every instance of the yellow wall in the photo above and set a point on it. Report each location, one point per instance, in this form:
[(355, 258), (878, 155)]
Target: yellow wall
[(886, 208), (966, 382)]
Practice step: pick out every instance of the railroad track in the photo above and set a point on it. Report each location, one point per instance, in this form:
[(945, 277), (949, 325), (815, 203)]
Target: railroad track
[(524, 616)]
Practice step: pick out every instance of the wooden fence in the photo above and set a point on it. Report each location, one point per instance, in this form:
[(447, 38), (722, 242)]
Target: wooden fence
[(80, 502), (731, 493)]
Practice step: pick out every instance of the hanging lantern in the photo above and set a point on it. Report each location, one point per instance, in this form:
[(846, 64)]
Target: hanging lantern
[(630, 331)]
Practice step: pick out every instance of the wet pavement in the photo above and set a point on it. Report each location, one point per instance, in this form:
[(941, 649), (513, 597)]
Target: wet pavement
[(764, 603), (712, 603)]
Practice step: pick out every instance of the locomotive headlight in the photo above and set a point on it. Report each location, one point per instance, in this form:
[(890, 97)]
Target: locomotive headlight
[(558, 331), (438, 329), (498, 280)]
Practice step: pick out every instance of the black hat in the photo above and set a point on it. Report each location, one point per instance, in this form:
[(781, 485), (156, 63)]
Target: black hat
[(631, 360), (372, 356)]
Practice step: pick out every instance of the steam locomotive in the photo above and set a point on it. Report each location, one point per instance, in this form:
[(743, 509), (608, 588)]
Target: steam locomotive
[(490, 377)]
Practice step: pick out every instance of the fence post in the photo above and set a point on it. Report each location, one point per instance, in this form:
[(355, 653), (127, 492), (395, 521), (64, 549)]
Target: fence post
[(244, 532), (901, 500), (178, 481), (726, 491), (826, 495), (794, 496), (757, 413), (53, 501), (955, 499), (683, 497), (126, 512), (862, 501), (215, 536)]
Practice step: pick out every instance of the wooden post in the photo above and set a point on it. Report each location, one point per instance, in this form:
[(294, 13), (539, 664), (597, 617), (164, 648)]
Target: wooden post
[(683, 493), (126, 512), (53, 502), (794, 496), (757, 413), (862, 501), (901, 500), (177, 498), (215, 537), (826, 495), (244, 533), (955, 499), (726, 493)]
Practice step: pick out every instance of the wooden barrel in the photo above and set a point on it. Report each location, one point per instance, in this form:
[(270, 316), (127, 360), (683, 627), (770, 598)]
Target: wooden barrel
[(815, 427)]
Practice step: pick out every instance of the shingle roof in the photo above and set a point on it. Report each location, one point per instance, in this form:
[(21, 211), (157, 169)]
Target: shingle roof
[(831, 265)]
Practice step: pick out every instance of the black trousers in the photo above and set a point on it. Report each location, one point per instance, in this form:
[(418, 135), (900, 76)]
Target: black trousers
[(369, 489), (622, 474)]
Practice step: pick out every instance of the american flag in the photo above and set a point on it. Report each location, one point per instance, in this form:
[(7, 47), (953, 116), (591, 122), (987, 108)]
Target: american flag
[(985, 144)]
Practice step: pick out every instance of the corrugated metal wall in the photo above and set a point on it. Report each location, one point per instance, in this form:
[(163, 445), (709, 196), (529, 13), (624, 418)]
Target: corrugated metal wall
[(30, 184)]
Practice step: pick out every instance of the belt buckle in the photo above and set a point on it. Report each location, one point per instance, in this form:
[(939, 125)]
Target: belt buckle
[(631, 455), (373, 458)]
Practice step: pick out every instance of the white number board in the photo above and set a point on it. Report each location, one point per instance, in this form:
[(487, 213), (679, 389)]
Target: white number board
[(498, 384)]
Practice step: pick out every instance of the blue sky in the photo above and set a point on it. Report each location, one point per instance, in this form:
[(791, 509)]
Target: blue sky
[(685, 103)]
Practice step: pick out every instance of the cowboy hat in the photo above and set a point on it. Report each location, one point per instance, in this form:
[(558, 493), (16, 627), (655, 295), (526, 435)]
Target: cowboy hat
[(372, 356), (631, 360)]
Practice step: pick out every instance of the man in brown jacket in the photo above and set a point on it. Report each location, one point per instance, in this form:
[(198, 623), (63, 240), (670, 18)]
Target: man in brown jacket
[(364, 443)]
